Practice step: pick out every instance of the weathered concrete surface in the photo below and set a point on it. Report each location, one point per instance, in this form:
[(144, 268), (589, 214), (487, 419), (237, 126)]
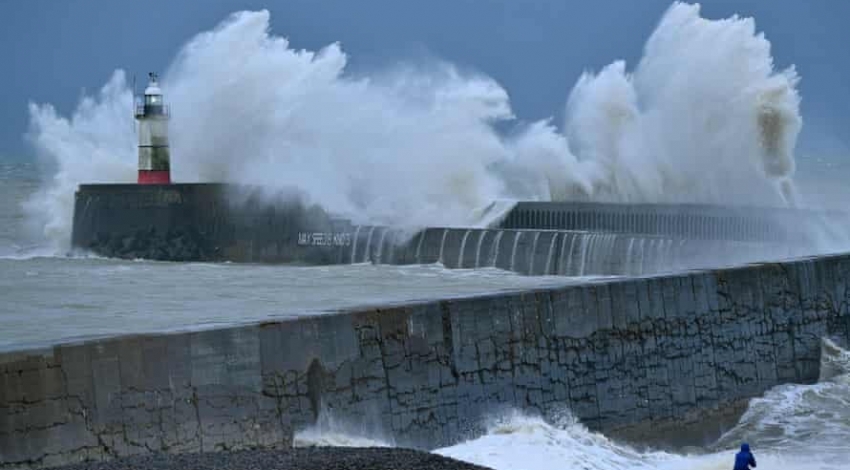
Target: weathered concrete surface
[(689, 221), (214, 222), (135, 395), (201, 222), (616, 353), (557, 252)]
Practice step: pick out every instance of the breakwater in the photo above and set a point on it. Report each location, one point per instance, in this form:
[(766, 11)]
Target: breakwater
[(617, 353), (555, 252), (685, 221), (212, 222), (199, 222)]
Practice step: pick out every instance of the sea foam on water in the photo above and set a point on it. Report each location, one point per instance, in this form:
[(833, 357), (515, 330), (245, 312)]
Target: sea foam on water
[(703, 117)]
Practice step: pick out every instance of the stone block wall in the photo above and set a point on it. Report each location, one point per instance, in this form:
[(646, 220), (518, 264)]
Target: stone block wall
[(615, 353), (203, 222)]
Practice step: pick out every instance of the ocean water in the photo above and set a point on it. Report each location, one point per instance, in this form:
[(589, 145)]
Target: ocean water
[(46, 296), (54, 298)]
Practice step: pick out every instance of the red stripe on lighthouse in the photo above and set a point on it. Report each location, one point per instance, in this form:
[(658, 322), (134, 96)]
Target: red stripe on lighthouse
[(154, 177)]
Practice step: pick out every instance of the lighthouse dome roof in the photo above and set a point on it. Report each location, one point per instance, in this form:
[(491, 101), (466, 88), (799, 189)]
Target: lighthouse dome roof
[(153, 89)]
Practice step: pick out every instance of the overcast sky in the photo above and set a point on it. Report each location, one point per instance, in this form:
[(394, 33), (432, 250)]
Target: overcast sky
[(53, 50)]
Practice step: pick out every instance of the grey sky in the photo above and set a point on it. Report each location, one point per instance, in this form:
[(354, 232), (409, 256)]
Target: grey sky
[(52, 50)]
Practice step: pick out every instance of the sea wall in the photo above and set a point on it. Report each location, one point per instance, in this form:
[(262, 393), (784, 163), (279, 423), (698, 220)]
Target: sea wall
[(557, 252), (689, 221), (201, 222), (616, 353), (212, 222)]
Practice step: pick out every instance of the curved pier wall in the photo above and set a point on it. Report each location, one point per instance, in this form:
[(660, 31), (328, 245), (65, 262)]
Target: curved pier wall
[(616, 353), (554, 252), (690, 221), (212, 222)]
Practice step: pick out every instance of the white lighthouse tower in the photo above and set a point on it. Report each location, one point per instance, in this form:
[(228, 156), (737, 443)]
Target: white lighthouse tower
[(154, 157)]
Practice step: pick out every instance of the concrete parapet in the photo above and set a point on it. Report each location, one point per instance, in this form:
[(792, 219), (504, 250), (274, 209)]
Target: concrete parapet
[(616, 353), (687, 221)]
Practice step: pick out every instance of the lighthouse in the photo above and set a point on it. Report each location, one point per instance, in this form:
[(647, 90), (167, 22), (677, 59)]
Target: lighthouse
[(152, 114)]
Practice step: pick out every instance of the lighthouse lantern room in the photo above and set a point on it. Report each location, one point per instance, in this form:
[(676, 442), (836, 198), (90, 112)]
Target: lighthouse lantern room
[(152, 114)]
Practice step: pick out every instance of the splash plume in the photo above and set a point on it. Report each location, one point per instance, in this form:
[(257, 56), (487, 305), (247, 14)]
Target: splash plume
[(703, 117)]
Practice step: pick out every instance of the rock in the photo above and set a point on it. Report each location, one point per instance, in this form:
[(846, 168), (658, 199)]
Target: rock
[(312, 458)]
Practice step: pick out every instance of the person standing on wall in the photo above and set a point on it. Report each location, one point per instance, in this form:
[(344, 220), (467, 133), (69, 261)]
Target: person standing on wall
[(744, 459)]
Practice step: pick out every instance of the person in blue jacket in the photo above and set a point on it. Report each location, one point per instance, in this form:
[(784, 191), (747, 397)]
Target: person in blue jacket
[(744, 460)]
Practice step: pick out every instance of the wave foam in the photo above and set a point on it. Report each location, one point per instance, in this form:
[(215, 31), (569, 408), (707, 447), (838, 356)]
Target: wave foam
[(704, 117)]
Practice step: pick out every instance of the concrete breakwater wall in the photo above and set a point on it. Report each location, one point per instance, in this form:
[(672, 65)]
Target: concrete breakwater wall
[(211, 222), (689, 221), (199, 222), (616, 353), (551, 252)]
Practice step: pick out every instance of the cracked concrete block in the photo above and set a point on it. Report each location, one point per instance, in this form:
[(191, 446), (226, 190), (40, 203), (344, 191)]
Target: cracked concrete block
[(10, 390), (583, 403), (605, 319), (146, 362), (34, 385), (532, 317), (823, 274), (546, 316), (702, 306), (624, 301), (709, 286), (746, 292), (227, 417), (426, 322), (656, 301), (724, 293), (565, 306), (17, 452), (803, 275), (394, 322), (515, 318), (496, 320), (297, 345), (33, 359), (337, 340), (643, 305), (670, 293), (582, 318), (343, 379), (687, 297), (106, 373), (22, 418), (466, 359), (393, 353), (229, 357), (682, 389), (180, 427)]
